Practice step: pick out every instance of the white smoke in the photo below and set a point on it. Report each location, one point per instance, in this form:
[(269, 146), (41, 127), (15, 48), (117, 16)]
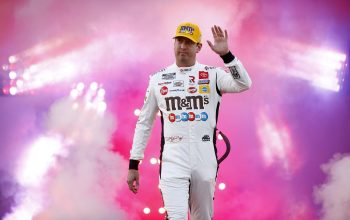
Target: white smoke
[(334, 194), (84, 182)]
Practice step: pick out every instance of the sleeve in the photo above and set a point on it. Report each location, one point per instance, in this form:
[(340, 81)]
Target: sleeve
[(236, 79), (144, 127)]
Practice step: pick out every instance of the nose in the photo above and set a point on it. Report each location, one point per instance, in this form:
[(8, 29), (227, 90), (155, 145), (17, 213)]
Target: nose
[(183, 44)]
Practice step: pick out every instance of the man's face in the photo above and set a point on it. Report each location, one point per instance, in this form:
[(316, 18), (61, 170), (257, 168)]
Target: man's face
[(185, 50)]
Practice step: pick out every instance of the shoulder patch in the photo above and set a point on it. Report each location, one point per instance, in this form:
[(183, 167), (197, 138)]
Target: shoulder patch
[(209, 67)]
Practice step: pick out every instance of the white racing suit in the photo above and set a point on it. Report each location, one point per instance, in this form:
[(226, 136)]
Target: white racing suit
[(188, 99)]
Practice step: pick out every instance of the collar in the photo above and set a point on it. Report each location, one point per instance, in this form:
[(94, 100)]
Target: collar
[(186, 69)]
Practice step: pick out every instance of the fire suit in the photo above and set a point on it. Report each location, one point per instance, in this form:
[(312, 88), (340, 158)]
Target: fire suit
[(188, 99)]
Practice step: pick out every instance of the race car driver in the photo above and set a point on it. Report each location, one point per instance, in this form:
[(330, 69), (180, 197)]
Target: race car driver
[(188, 95)]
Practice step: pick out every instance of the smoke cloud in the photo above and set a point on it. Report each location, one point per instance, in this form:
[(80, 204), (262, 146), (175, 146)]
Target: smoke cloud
[(334, 194), (86, 177)]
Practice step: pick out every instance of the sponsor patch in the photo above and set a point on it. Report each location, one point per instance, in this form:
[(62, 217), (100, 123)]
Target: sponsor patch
[(192, 79), (192, 89), (204, 89), (209, 67), (176, 90), (190, 116), (203, 75), (185, 70), (206, 138), (186, 29), (168, 76), (174, 103), (178, 83), (234, 72), (203, 81), (164, 90), (174, 139), (164, 83)]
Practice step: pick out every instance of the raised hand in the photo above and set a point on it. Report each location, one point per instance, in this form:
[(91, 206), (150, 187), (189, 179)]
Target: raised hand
[(220, 45)]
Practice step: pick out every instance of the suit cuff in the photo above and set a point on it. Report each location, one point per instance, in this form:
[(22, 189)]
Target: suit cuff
[(134, 164), (227, 58)]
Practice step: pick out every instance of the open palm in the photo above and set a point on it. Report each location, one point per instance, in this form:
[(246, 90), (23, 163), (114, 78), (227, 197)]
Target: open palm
[(220, 45)]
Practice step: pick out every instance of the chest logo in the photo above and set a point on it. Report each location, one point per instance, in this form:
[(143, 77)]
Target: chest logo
[(192, 79), (168, 76), (203, 81), (164, 90), (204, 89), (178, 83), (189, 102), (203, 75), (192, 89)]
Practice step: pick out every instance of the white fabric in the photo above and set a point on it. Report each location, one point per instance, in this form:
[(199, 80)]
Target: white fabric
[(188, 99)]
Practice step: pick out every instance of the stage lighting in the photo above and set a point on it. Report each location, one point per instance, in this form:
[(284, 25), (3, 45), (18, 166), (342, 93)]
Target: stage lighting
[(146, 210), (330, 83), (161, 210), (5, 67), (5, 90), (74, 93), (220, 137), (328, 66), (153, 160), (80, 86), (93, 86), (19, 83), (222, 186), (33, 68), (13, 59), (137, 112), (101, 93), (12, 75), (13, 91), (26, 75), (102, 106)]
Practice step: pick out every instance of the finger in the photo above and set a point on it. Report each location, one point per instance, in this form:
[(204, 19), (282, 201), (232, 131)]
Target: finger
[(213, 31), (220, 31), (130, 185), (134, 190), (226, 35), (137, 183), (216, 30), (136, 186)]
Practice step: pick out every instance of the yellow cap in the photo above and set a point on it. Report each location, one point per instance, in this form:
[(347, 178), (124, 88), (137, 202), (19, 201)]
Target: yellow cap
[(190, 31)]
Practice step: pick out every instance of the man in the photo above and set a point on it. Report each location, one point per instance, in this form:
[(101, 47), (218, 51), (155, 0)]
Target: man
[(188, 95)]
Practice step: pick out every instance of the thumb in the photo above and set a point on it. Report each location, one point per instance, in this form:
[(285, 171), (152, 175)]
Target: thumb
[(210, 44)]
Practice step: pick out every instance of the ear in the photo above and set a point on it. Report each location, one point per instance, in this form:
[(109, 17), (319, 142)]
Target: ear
[(199, 47)]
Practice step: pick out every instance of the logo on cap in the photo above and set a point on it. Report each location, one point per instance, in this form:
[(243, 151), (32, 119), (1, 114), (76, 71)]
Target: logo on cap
[(186, 29)]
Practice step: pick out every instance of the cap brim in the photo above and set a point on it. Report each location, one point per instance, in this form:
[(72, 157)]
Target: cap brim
[(186, 36)]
